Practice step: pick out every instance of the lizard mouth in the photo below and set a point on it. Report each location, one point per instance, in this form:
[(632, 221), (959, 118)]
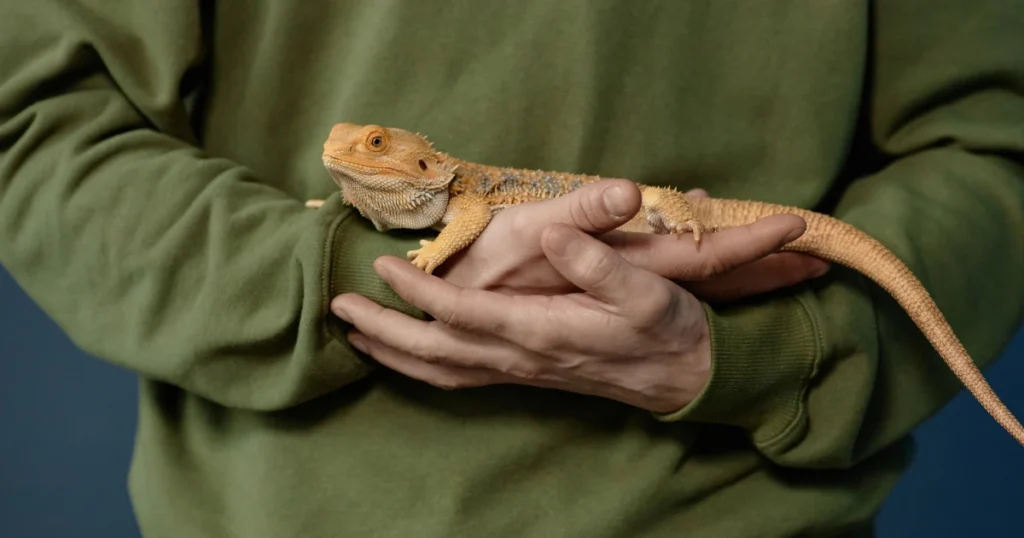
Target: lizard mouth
[(361, 180), (343, 166)]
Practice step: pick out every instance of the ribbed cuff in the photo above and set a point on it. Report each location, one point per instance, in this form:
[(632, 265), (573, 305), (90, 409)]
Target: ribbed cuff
[(763, 357), (352, 246)]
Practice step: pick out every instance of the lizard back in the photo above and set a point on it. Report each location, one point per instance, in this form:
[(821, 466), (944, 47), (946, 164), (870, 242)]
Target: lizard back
[(504, 186)]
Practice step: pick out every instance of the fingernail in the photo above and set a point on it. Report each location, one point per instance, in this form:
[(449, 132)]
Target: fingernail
[(561, 241), (357, 342), (340, 311), (381, 268), (615, 202), (821, 270)]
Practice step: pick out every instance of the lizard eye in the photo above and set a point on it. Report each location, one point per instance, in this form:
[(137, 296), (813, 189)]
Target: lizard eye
[(423, 165), (376, 140)]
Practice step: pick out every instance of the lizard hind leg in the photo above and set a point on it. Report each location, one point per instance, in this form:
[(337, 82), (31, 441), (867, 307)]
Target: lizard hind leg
[(670, 211)]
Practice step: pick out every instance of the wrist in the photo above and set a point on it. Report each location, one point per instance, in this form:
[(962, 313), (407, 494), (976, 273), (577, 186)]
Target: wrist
[(764, 354), (687, 372), (698, 361)]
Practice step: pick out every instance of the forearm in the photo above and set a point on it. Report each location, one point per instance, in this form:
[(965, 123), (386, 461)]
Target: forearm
[(146, 251)]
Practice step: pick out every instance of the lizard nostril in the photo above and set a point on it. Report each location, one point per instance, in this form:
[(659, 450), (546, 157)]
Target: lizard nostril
[(423, 164)]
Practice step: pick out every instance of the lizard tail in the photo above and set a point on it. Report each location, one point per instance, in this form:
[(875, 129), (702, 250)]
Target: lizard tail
[(839, 242)]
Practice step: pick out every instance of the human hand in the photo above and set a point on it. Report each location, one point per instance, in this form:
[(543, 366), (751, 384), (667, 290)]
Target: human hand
[(665, 255), (508, 258), (629, 335)]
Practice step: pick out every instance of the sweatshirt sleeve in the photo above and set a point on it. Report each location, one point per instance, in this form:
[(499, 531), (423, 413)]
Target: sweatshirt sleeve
[(828, 375), (148, 253)]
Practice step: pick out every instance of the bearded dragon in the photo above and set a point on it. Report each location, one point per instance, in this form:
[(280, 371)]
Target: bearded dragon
[(396, 179)]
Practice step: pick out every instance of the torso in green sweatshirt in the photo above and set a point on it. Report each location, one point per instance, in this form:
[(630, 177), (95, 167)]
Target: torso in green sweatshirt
[(207, 276)]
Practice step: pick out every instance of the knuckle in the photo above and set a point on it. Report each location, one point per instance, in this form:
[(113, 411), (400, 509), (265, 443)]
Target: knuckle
[(452, 317), (659, 308), (712, 264), (427, 351), (597, 268), (585, 212), (430, 355), (521, 220), (462, 322)]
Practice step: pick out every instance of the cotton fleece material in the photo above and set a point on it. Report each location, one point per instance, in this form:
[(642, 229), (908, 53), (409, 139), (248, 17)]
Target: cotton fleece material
[(154, 160)]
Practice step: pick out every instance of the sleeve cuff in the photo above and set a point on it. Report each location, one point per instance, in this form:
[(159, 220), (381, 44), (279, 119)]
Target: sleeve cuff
[(763, 356), (352, 246)]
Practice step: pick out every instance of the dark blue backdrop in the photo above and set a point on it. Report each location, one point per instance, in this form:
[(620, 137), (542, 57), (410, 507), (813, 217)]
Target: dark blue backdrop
[(68, 423)]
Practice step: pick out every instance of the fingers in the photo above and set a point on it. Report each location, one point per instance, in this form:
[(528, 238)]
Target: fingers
[(452, 375), (737, 246), (594, 266), (429, 342), (594, 208), (466, 309), (443, 376), (391, 327), (773, 272), (719, 253)]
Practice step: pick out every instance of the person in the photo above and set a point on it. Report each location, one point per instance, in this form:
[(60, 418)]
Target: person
[(154, 167)]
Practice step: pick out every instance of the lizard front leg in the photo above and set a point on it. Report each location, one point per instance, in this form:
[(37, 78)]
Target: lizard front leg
[(465, 219)]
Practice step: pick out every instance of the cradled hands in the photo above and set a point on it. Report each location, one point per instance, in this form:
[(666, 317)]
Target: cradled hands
[(550, 296)]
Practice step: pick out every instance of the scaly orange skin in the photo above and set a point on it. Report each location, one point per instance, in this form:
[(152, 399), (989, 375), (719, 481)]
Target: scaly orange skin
[(396, 179)]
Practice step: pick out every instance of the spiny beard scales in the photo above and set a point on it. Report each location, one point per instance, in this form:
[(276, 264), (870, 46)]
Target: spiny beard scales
[(412, 208)]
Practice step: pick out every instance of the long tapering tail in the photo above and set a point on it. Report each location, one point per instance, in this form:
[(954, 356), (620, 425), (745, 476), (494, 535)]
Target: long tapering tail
[(842, 243)]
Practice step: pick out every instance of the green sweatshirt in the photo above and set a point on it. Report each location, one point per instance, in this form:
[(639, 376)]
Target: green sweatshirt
[(154, 160)]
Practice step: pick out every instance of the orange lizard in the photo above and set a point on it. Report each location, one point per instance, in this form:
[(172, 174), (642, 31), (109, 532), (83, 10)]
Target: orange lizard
[(396, 179)]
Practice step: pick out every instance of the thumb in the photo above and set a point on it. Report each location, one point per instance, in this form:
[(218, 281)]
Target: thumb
[(595, 208)]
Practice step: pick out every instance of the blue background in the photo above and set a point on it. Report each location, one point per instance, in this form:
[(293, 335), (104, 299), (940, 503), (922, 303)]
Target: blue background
[(68, 420)]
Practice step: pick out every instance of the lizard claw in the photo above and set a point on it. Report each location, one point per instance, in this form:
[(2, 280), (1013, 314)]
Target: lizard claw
[(424, 257), (418, 253), (693, 226), (696, 228), (314, 204)]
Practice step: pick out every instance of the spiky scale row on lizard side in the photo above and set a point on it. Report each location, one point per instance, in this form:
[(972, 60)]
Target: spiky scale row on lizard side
[(396, 179)]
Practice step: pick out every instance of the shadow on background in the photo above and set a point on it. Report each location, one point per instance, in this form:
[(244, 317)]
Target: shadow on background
[(69, 420)]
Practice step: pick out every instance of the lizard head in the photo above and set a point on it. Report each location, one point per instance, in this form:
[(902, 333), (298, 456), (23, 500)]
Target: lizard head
[(393, 177)]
